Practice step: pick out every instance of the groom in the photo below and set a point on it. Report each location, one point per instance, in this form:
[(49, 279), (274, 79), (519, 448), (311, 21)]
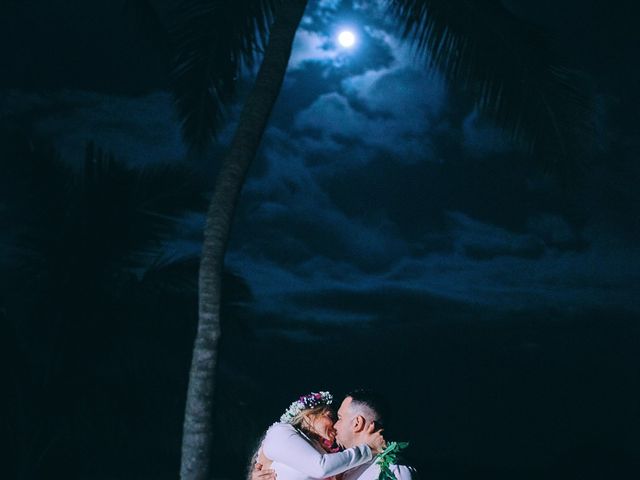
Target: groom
[(358, 411)]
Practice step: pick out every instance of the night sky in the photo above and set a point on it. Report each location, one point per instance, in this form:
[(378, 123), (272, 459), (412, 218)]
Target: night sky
[(389, 235)]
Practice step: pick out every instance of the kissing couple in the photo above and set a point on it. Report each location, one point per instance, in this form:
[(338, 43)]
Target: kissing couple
[(311, 441)]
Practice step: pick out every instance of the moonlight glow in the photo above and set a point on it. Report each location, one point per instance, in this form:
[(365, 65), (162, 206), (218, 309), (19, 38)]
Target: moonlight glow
[(346, 38)]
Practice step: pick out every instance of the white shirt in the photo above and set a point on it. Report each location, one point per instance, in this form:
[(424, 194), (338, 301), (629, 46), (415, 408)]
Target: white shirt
[(296, 457), (371, 471)]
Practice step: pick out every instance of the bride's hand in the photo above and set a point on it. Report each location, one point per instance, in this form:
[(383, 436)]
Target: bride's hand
[(375, 440)]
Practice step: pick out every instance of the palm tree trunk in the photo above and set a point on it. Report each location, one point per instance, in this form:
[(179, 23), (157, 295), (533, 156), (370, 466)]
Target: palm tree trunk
[(198, 422)]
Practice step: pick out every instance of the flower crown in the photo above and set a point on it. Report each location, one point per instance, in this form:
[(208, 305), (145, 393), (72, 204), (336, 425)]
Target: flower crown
[(305, 402)]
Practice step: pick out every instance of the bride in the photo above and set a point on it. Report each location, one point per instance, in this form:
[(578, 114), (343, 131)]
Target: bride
[(299, 447)]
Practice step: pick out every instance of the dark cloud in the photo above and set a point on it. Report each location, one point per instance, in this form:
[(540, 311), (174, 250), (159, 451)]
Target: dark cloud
[(483, 242), (288, 198), (487, 265)]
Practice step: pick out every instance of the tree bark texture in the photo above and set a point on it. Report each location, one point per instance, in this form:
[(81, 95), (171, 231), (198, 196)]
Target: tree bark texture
[(197, 440)]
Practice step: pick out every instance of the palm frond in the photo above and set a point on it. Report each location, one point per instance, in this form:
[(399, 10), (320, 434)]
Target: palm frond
[(213, 41), (145, 206), (173, 273), (510, 67)]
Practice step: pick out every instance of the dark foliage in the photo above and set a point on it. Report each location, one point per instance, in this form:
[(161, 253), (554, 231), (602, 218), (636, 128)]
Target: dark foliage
[(511, 70), (213, 41)]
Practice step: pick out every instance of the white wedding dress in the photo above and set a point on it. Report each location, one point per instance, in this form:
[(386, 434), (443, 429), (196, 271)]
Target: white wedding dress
[(297, 457)]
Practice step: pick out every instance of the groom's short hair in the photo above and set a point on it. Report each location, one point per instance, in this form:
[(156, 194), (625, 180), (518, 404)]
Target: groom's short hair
[(372, 405)]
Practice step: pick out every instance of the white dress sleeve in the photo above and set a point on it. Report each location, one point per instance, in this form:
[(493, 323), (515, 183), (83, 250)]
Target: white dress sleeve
[(284, 444)]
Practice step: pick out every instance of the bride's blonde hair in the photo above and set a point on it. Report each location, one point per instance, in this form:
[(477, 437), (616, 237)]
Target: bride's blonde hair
[(301, 420)]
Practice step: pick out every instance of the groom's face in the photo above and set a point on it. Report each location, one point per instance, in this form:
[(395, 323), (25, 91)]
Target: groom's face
[(344, 431)]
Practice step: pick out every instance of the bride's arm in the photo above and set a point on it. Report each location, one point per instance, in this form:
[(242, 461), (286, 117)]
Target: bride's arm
[(285, 445)]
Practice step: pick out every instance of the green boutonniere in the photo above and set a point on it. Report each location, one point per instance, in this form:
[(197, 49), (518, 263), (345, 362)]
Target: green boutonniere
[(388, 457)]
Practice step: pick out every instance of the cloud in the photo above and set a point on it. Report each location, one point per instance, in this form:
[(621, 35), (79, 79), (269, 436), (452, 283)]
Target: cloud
[(562, 282), (406, 93), (376, 111), (311, 46), (481, 241), (329, 4), (380, 101), (489, 267), (288, 201), (552, 229)]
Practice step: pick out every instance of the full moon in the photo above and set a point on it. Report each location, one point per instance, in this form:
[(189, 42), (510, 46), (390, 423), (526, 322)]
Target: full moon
[(346, 38)]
